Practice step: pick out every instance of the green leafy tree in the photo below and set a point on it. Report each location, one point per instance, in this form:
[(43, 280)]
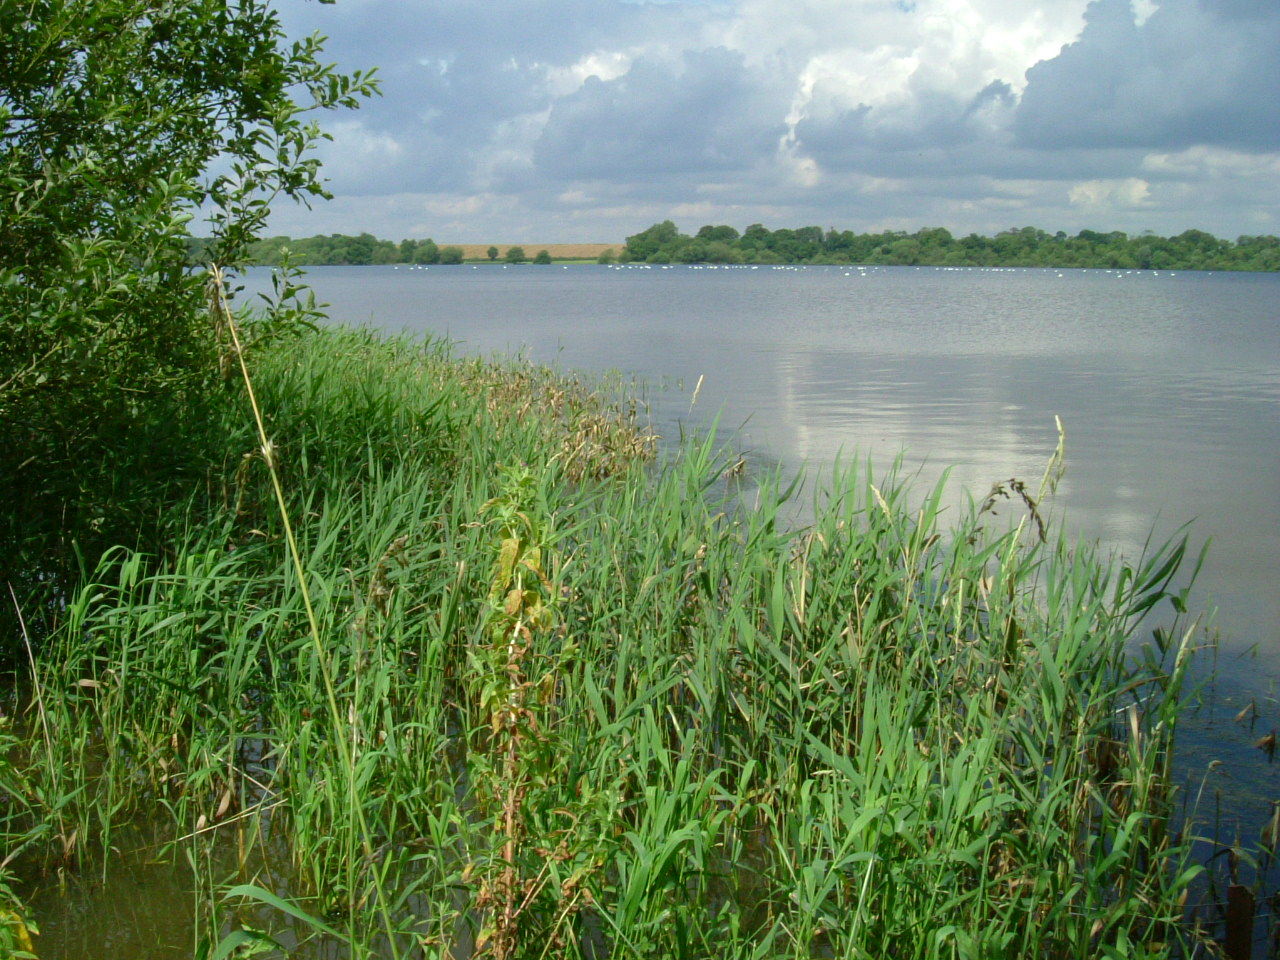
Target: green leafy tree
[(120, 121), (427, 252), (451, 255), (646, 243), (492, 253), (542, 256), (607, 256), (722, 233), (515, 255)]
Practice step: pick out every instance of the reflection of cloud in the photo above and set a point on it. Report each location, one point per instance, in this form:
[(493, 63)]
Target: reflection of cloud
[(943, 415)]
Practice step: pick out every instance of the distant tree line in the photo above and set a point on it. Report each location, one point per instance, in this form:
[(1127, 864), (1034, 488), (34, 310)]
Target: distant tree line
[(935, 246), (338, 249), (364, 249), (932, 246)]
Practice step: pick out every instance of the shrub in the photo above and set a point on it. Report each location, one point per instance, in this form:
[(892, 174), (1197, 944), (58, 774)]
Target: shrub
[(122, 119)]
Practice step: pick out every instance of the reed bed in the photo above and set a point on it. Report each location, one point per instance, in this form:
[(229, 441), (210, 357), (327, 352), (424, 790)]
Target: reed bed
[(587, 702)]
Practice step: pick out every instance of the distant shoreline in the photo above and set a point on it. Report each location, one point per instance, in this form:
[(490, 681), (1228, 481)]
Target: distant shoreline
[(663, 243), (558, 251)]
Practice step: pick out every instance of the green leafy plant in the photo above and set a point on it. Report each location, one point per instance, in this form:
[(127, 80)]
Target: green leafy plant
[(121, 121)]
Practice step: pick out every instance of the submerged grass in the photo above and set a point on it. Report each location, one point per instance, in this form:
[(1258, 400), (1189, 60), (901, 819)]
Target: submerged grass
[(588, 705)]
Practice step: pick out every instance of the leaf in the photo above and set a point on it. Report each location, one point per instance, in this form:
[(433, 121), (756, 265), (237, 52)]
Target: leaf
[(260, 943), (18, 927), (254, 892), (506, 565), (1267, 744)]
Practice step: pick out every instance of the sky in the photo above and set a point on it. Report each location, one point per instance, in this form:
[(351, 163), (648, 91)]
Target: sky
[(588, 120)]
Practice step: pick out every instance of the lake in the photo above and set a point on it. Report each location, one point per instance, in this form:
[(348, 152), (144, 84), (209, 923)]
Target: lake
[(1168, 386)]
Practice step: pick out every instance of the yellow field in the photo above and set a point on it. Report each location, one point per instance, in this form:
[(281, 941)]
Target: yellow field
[(559, 251)]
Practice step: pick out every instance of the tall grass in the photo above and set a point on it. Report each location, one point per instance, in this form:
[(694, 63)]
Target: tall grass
[(590, 705)]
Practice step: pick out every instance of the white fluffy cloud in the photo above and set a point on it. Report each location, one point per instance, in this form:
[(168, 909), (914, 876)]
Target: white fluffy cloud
[(1109, 195), (592, 118)]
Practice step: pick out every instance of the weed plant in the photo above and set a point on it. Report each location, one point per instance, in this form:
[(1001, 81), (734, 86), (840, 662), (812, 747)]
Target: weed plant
[(586, 703)]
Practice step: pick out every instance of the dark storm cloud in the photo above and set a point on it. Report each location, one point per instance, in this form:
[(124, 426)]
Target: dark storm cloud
[(1192, 74), (1196, 72), (949, 138)]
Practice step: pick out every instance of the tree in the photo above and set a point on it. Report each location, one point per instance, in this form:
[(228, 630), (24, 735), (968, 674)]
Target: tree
[(542, 257), (722, 233), (648, 242), (451, 255), (607, 256), (120, 121), (515, 255), (492, 253), (427, 252)]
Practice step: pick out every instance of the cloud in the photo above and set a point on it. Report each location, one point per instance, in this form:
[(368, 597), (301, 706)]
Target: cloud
[(596, 117), (1106, 194), (1191, 72), (1212, 163), (707, 113)]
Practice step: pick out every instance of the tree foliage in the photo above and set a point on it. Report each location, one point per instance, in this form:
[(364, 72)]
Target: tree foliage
[(120, 122), (935, 246), (515, 255)]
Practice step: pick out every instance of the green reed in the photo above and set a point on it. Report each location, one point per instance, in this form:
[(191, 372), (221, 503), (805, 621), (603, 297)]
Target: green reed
[(589, 704)]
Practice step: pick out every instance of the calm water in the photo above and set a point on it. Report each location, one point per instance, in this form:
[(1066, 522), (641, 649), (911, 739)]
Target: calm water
[(1168, 385)]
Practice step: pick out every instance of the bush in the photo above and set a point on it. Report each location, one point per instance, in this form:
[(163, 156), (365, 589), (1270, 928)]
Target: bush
[(122, 120), (542, 257), (451, 255)]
